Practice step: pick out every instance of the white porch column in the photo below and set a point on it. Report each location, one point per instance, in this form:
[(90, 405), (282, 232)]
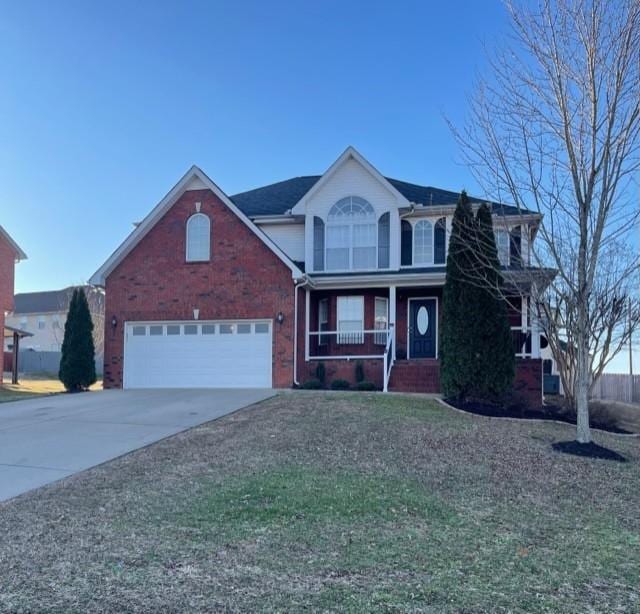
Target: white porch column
[(307, 312), (392, 315), (535, 324)]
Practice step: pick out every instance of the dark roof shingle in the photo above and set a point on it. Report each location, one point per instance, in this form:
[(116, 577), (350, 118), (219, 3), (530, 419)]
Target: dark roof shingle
[(278, 198)]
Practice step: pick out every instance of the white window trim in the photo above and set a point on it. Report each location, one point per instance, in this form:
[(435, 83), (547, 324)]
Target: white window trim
[(447, 232), (186, 232), (338, 320)]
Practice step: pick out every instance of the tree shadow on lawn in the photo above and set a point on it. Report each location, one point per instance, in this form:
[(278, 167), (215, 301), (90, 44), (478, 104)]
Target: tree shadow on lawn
[(589, 450)]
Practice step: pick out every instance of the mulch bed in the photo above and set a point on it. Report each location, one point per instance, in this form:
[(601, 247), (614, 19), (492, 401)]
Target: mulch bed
[(546, 412)]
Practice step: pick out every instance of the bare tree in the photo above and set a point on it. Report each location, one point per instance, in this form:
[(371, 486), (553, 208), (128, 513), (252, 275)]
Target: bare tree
[(554, 128)]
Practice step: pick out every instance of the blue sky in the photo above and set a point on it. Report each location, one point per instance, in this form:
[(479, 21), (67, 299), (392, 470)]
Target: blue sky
[(103, 106)]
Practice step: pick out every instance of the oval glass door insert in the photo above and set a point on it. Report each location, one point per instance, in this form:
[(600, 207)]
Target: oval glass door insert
[(423, 320)]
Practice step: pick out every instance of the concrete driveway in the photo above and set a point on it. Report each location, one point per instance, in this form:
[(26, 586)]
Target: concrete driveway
[(43, 440)]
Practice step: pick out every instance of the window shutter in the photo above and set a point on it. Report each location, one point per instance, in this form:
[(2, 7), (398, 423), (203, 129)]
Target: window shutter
[(515, 244), (440, 240), (406, 244), (318, 244), (383, 241)]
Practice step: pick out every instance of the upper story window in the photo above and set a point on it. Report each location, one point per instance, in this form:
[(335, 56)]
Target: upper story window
[(198, 238), (351, 236), (509, 246), (423, 242)]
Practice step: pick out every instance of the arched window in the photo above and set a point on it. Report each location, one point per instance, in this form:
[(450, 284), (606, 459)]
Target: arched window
[(198, 238), (423, 242), (351, 235)]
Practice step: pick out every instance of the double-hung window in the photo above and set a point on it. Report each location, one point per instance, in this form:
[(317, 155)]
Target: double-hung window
[(350, 319), (381, 320)]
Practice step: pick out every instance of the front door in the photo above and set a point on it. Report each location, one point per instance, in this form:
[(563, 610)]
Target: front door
[(422, 328)]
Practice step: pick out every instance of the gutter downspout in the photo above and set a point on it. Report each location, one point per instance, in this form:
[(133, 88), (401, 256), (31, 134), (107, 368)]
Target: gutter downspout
[(306, 281)]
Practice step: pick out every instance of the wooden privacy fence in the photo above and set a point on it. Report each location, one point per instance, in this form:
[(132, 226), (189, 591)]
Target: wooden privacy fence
[(617, 387)]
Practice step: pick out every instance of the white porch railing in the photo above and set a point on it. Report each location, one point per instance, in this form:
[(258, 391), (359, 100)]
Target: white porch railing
[(347, 340), (525, 344)]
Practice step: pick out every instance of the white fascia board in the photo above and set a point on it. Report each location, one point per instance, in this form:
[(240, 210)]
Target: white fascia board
[(20, 255), (349, 153), (143, 228), (380, 281)]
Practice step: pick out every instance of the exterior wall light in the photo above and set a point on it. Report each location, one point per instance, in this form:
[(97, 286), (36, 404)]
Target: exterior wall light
[(114, 322), (280, 317)]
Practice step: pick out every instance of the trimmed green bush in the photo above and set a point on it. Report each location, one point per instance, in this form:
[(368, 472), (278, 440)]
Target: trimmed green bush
[(77, 363), (321, 373), (312, 384), (340, 384), (365, 386), (359, 372)]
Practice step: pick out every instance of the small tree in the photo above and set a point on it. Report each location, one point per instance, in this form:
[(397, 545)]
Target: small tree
[(494, 375), (77, 364), (457, 355)]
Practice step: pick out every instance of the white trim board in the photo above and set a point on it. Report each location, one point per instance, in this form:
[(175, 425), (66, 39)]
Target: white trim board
[(194, 176)]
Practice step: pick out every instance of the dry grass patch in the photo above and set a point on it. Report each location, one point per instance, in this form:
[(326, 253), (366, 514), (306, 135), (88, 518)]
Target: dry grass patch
[(335, 502), (34, 387)]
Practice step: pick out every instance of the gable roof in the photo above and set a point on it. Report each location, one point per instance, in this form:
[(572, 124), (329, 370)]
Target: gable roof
[(278, 198), (194, 176), (20, 255), (45, 302), (348, 154)]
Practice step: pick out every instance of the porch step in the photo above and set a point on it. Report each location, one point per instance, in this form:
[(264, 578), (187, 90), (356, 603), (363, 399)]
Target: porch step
[(420, 375)]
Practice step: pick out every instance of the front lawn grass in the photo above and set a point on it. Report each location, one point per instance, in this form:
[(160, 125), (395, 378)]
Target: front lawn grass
[(335, 502), (31, 387)]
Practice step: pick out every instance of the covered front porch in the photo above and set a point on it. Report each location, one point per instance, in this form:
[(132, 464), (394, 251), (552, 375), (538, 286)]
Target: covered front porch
[(393, 332)]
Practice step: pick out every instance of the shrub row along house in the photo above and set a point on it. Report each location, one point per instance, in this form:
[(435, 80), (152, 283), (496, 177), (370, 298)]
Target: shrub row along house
[(255, 289)]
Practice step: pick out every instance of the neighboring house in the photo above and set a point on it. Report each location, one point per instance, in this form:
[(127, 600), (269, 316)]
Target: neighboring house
[(10, 253), (257, 288), (44, 314)]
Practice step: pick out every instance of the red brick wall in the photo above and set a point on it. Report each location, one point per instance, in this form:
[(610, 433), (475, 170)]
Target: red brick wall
[(332, 348), (528, 381), (345, 369), (7, 271), (244, 279)]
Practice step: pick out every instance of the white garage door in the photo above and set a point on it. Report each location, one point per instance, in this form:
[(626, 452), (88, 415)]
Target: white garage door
[(192, 354)]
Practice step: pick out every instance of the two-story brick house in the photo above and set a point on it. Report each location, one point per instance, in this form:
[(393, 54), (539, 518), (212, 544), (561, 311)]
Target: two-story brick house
[(10, 253), (255, 289)]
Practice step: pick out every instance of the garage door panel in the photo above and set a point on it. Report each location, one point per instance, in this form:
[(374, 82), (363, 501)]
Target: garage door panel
[(241, 358)]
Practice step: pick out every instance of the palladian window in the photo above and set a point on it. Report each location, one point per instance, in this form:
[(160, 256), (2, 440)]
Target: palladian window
[(351, 236)]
